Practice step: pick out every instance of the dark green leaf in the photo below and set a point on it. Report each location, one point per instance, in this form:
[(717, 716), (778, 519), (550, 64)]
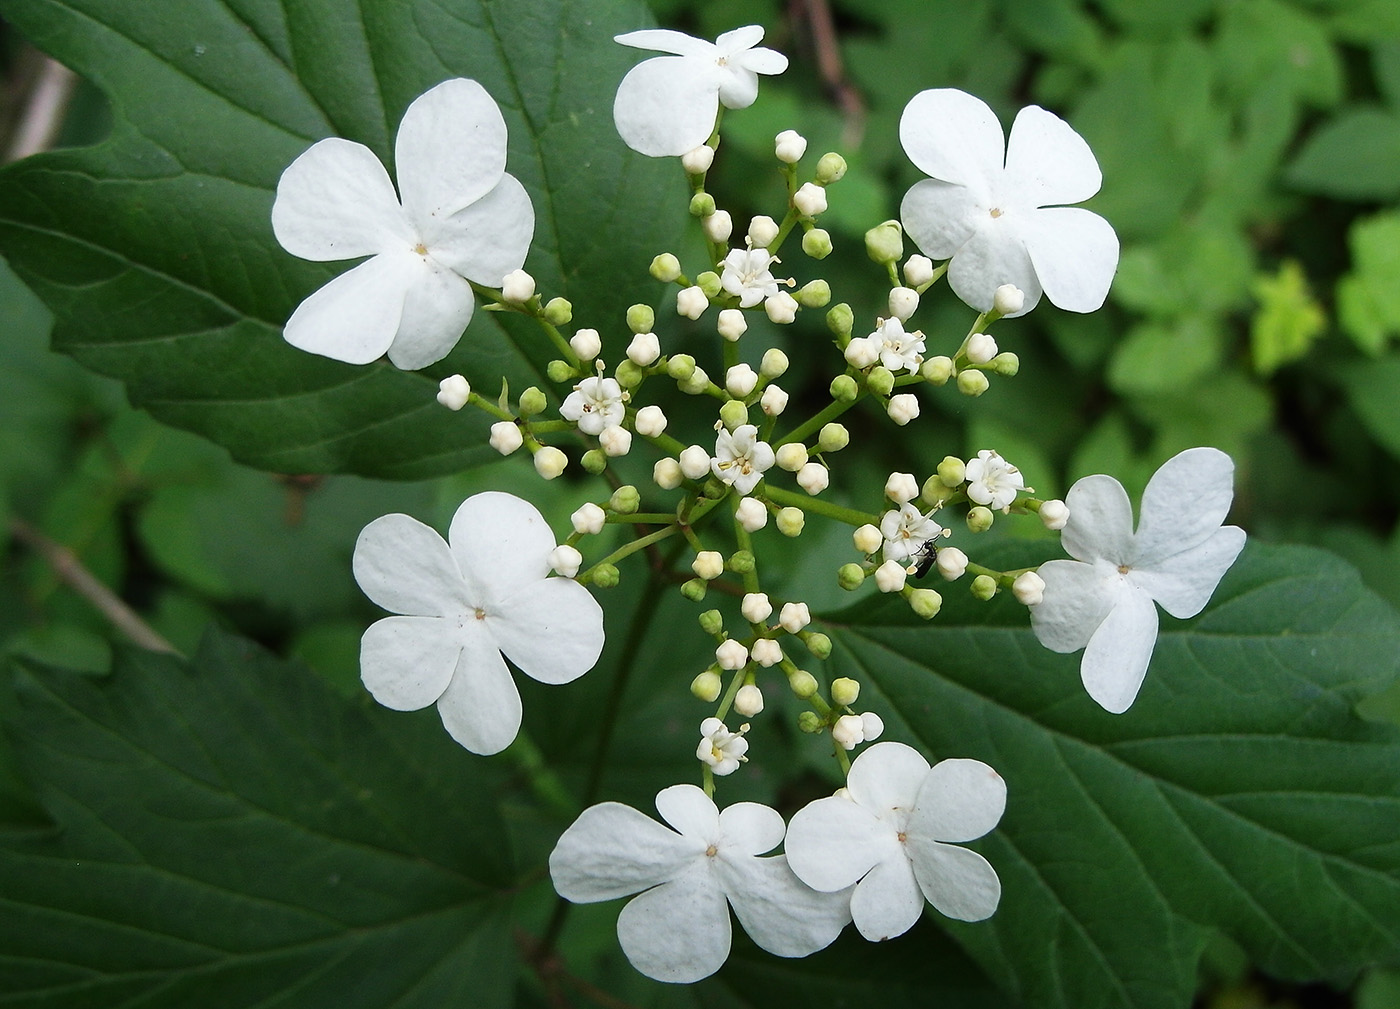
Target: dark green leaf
[(1355, 156)]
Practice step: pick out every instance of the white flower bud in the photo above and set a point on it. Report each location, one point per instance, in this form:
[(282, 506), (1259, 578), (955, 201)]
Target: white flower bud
[(795, 616), (732, 324), (708, 564), (781, 308), (862, 352), (695, 462), (918, 270), (952, 563), (517, 286), (981, 348), (691, 302), (873, 725), (650, 422), (644, 349), (774, 401), (731, 655), (506, 437), (762, 230), (616, 441), (550, 462), (810, 200), (1008, 299), (667, 474), (756, 607), (789, 146), (453, 392), (767, 652), (890, 576), (698, 160), (903, 302), (1054, 514), (565, 560), (792, 456), (740, 380), (867, 539), (718, 226), (901, 488), (587, 344), (1028, 588), (903, 408), (848, 731), (588, 519), (813, 478), (752, 514), (748, 701)]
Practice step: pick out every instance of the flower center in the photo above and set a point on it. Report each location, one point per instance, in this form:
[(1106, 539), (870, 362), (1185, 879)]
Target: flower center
[(1123, 569), (901, 837), (712, 851), (480, 613), (421, 249), (997, 211)]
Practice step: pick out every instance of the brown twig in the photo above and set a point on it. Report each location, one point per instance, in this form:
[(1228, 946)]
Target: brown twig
[(817, 14), (39, 123)]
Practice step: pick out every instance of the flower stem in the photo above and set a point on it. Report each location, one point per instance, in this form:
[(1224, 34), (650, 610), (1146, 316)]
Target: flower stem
[(816, 423), (850, 516)]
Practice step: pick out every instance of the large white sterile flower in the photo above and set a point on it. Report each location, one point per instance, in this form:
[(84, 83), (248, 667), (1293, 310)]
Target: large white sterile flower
[(889, 834), (667, 105), (1000, 210), (748, 275), (1103, 600), (596, 403), (678, 930), (462, 218), (483, 592)]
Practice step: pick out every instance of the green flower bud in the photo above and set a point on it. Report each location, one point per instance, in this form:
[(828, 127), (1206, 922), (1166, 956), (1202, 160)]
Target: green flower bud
[(733, 413), (680, 366), (790, 521), (625, 500), (706, 686), (532, 401), (774, 363), (641, 319), (560, 371), (606, 576), (934, 490), (850, 576), (694, 590), (984, 587), (830, 168), (844, 389), (818, 644), (810, 721), (702, 205), (695, 383), (972, 383), (952, 471), (926, 603), (816, 243), (741, 562), (884, 243), (629, 374), (1006, 363), (840, 319), (803, 684), (712, 622), (844, 691), (558, 312), (709, 283), (595, 461), (880, 380), (813, 294), (666, 268), (937, 370), (833, 437), (979, 519)]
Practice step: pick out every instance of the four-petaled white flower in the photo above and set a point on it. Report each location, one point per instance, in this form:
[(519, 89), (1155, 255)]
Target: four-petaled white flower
[(596, 403), (748, 275), (740, 459), (679, 930), (483, 592), (992, 481), (722, 749), (889, 833), (906, 532), (1103, 600), (462, 218), (898, 349), (1000, 210), (667, 105)]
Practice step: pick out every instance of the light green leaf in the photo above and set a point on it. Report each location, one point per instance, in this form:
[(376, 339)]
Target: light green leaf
[(1354, 156), (1157, 357), (1287, 321), (1368, 298)]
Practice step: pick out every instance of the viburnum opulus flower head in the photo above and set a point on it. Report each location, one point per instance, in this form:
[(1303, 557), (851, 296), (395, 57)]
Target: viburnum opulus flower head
[(667, 105), (1000, 210), (678, 929), (466, 601), (457, 217), (1103, 601)]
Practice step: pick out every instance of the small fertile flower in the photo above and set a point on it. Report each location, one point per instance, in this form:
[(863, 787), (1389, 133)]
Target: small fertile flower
[(457, 218), (747, 274), (992, 481), (749, 700), (678, 929), (691, 302), (732, 323), (895, 834), (781, 308), (1000, 211), (852, 730), (1102, 601), (903, 408), (906, 531), (666, 106), (890, 576), (898, 350), (751, 515), (453, 392), (810, 200), (721, 749), (466, 601), (794, 616), (789, 146), (596, 403), (740, 459)]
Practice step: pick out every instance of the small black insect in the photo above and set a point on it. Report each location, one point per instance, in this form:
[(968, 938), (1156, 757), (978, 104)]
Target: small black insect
[(924, 558)]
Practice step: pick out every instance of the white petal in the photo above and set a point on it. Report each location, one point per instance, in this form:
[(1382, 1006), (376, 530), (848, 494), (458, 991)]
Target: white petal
[(678, 931), (941, 216), (1077, 596), (663, 40), (613, 850), (886, 777), (1116, 658), (404, 566), (552, 629), (355, 317), (778, 911), (762, 61), (1184, 503), (1183, 584), (833, 842), (501, 543), (1075, 253), (750, 829), (736, 40), (436, 310), (450, 151), (666, 106), (1100, 521), (488, 239), (960, 799), (959, 882), (993, 254), (738, 87), (1047, 163), (407, 662), (952, 136), (336, 202), (690, 811), (887, 902), (481, 707)]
